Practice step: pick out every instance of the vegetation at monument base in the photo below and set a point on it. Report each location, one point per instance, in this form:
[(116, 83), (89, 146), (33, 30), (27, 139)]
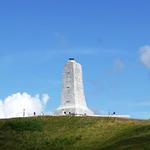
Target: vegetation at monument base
[(74, 133)]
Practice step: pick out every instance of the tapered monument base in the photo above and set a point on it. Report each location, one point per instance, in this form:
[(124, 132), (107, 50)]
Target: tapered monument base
[(61, 111)]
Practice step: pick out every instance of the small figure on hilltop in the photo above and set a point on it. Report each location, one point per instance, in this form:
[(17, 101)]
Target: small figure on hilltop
[(114, 113), (34, 113)]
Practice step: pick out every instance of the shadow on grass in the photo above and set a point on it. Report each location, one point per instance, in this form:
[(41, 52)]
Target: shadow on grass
[(134, 143), (135, 139), (23, 125)]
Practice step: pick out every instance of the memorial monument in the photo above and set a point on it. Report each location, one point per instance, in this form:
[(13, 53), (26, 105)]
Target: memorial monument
[(73, 100)]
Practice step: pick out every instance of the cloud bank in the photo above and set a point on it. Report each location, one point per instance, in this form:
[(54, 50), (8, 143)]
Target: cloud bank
[(145, 55), (20, 104)]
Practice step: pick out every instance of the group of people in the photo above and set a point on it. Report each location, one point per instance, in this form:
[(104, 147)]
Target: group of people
[(34, 113)]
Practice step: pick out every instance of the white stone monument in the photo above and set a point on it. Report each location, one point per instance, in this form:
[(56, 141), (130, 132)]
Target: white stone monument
[(72, 98)]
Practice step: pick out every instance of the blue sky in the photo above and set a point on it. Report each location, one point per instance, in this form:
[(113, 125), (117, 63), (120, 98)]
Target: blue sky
[(105, 36)]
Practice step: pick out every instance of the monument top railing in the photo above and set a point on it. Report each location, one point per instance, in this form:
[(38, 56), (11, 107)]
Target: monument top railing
[(71, 59)]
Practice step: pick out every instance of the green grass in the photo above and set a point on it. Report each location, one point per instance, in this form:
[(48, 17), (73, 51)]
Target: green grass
[(74, 133)]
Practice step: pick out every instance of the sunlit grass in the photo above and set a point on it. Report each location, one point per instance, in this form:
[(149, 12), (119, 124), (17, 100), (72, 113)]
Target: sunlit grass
[(73, 133)]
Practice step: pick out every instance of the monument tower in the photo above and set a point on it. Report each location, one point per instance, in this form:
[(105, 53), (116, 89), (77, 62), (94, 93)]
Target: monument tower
[(72, 98)]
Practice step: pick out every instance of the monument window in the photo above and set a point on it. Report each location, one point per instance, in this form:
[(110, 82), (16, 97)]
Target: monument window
[(67, 101), (69, 112), (64, 112), (68, 74), (68, 87)]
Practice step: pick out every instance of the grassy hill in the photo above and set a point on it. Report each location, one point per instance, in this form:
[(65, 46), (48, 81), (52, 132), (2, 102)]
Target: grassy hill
[(74, 133)]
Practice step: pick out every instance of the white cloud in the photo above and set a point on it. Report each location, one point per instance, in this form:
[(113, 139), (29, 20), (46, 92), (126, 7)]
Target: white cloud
[(14, 105), (1, 110), (145, 55)]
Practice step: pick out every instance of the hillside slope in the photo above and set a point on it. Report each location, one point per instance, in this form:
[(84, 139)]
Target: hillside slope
[(74, 133)]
